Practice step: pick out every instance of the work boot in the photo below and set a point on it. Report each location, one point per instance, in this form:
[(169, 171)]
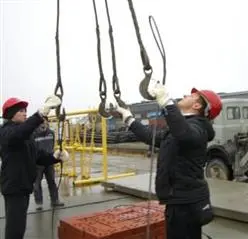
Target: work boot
[(57, 204)]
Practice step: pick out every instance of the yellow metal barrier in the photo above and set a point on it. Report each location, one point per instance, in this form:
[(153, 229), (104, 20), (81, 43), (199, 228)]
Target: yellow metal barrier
[(82, 148)]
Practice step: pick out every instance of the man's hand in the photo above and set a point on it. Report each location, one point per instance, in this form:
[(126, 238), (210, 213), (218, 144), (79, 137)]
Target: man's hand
[(61, 155), (127, 116), (51, 102), (159, 91)]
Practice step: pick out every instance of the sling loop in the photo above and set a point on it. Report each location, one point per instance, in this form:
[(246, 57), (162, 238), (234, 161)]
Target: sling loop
[(115, 80), (102, 83), (59, 91), (160, 45), (60, 115), (147, 68)]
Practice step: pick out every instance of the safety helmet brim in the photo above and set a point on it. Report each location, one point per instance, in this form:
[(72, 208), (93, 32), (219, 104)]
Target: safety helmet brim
[(23, 104), (194, 90)]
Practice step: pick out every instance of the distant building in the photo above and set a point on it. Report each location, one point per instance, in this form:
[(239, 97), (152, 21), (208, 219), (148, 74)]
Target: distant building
[(238, 94)]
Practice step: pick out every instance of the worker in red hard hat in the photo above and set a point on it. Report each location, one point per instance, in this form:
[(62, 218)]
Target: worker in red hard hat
[(211, 102), (19, 158), (180, 182)]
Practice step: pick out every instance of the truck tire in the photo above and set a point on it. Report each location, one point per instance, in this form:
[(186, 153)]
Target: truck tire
[(216, 168)]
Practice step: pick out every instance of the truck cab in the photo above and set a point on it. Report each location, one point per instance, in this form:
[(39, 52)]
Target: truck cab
[(230, 124)]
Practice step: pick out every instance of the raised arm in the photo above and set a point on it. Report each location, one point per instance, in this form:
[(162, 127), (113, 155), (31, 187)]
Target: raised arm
[(20, 132), (185, 131), (145, 134)]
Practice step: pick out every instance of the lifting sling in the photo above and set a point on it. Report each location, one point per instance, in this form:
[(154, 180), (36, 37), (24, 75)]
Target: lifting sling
[(144, 57), (115, 81), (147, 68), (102, 81), (159, 45), (59, 91), (60, 115)]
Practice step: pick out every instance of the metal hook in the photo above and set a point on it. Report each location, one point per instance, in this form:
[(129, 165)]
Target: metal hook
[(103, 111), (144, 84)]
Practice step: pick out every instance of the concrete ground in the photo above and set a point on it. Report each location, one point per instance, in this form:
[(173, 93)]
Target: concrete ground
[(93, 198)]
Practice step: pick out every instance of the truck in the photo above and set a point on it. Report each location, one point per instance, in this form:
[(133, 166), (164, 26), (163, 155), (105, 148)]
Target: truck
[(228, 152)]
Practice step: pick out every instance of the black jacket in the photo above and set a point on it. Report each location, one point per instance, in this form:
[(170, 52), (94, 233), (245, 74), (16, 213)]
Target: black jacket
[(44, 139), (182, 156), (20, 156)]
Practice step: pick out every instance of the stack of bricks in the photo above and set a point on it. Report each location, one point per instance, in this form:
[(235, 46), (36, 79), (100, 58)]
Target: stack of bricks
[(129, 222)]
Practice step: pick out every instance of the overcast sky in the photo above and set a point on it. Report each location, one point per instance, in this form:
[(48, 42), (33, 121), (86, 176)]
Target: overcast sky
[(206, 45)]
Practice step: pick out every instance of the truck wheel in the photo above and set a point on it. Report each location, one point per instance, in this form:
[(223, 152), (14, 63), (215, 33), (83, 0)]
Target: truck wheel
[(217, 169)]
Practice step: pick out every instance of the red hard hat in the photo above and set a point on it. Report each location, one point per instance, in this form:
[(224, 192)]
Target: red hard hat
[(214, 102), (12, 102)]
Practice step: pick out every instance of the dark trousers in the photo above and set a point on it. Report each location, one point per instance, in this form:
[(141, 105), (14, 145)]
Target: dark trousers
[(16, 207), (49, 173), (185, 221), (180, 223)]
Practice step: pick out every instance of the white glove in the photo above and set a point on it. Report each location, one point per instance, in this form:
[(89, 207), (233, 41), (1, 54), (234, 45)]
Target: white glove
[(51, 102), (159, 91), (127, 116), (64, 155)]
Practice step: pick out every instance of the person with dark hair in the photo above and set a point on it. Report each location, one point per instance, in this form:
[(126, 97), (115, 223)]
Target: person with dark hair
[(180, 182), (19, 159), (45, 138)]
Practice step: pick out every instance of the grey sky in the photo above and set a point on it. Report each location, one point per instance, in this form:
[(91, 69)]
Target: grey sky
[(206, 43)]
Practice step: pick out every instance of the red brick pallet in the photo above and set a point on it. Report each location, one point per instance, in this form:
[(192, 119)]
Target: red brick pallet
[(129, 222)]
